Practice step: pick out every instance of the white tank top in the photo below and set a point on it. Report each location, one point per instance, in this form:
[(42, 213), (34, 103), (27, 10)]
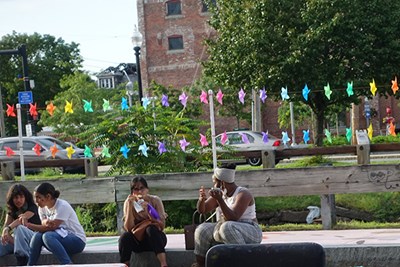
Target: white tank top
[(248, 214)]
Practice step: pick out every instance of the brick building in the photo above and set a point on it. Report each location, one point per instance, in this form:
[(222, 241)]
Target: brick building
[(172, 49)]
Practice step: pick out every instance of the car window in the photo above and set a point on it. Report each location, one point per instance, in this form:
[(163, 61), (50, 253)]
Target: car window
[(11, 144), (48, 142), (250, 138), (28, 145), (235, 139)]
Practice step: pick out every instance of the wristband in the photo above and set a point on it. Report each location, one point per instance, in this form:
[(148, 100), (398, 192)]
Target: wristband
[(8, 228)]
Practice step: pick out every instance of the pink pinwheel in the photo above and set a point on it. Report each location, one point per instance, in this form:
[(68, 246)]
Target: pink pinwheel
[(183, 98), (203, 140), (224, 138), (220, 95), (245, 139), (241, 94), (203, 97), (161, 147), (183, 143), (263, 95), (164, 100)]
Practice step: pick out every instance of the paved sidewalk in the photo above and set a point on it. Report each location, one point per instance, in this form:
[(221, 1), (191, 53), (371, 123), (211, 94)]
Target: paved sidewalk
[(327, 238)]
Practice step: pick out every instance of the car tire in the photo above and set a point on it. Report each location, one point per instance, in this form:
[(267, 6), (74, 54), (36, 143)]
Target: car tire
[(254, 161)]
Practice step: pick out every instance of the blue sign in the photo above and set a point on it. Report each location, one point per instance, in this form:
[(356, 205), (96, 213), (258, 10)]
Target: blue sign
[(25, 97)]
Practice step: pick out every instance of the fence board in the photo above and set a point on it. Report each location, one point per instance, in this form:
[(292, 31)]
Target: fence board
[(266, 182)]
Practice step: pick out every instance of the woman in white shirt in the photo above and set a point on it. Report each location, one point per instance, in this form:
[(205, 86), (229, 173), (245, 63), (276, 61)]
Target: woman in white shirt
[(60, 231)]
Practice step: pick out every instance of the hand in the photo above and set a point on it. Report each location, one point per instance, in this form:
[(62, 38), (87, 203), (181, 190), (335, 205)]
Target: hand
[(202, 194), (216, 194), (6, 237)]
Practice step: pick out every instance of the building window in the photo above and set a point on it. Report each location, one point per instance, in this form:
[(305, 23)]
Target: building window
[(174, 8), (175, 42), (204, 7)]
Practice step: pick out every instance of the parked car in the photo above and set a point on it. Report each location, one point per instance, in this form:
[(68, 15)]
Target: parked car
[(45, 143), (248, 141)]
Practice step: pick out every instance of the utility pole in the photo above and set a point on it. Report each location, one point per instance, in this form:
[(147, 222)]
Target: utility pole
[(2, 124), (22, 52)]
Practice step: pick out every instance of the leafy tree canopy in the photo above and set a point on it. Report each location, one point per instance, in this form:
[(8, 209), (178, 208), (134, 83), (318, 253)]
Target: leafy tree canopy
[(275, 43), (49, 59), (76, 88)]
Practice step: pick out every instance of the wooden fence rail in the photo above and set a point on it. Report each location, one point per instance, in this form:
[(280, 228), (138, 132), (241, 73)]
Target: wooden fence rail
[(323, 181)]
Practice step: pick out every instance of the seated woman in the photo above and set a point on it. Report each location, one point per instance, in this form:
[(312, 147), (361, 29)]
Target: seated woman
[(138, 207), (60, 231), (20, 209), (236, 215)]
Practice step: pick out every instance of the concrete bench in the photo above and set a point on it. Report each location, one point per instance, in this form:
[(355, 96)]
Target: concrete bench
[(175, 258)]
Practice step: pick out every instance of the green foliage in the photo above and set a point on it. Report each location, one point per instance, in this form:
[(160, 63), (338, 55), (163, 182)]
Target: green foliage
[(275, 44), (85, 218), (76, 88), (49, 59), (274, 204), (138, 126), (383, 139), (336, 141), (97, 217), (179, 212)]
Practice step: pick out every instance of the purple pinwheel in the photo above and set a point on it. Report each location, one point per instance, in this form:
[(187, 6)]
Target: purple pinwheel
[(241, 94), (183, 98), (245, 139), (183, 143), (265, 137), (161, 147), (263, 95), (164, 100)]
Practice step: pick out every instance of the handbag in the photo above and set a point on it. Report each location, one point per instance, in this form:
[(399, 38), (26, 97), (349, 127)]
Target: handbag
[(189, 230), (139, 229)]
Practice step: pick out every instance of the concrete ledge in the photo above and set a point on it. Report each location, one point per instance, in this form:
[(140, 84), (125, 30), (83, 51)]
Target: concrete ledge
[(352, 255)]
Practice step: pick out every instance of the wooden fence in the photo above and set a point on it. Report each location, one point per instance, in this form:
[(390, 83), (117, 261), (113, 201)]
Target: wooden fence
[(324, 181)]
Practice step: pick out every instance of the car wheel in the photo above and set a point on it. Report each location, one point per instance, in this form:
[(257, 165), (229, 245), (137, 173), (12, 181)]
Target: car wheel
[(254, 161)]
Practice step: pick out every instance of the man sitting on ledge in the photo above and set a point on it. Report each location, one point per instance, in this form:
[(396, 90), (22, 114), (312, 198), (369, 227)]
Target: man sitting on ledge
[(236, 215)]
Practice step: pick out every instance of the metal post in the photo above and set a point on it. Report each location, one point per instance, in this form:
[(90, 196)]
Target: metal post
[(292, 123), (2, 124), (139, 75)]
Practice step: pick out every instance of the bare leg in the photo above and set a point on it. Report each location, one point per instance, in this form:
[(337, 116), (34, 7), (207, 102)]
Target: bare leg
[(162, 258), (201, 261)]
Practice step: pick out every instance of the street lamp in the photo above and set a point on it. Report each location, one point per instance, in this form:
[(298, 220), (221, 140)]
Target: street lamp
[(129, 92), (137, 42)]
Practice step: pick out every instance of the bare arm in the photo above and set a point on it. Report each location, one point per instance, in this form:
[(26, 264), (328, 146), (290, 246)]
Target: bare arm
[(204, 204), (243, 200)]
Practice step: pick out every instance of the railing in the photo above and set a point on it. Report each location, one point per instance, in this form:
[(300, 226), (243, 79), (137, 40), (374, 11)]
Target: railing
[(325, 181)]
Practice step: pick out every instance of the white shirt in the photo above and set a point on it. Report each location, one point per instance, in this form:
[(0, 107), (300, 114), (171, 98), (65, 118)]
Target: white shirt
[(63, 211)]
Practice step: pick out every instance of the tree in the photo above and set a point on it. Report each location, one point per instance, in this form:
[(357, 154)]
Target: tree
[(49, 59), (275, 44), (76, 88), (155, 123)]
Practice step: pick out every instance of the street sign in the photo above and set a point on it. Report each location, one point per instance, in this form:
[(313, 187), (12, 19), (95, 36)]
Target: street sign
[(25, 97)]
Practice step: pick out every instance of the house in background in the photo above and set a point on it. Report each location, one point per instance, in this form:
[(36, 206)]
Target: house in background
[(113, 76)]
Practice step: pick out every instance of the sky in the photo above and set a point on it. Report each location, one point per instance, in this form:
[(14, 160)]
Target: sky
[(103, 28)]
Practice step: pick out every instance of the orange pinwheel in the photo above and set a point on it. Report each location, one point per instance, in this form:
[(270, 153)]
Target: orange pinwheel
[(54, 150), (9, 151), (392, 129), (395, 86), (37, 148), (10, 111), (50, 108)]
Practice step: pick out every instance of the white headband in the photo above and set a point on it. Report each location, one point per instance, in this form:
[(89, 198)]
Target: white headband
[(226, 175)]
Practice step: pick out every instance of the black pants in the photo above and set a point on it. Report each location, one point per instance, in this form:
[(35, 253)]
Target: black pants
[(155, 240)]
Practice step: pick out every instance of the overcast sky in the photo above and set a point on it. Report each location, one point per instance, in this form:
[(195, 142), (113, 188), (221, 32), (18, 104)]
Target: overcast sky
[(102, 28)]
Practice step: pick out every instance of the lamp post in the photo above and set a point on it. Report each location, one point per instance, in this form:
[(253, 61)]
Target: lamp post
[(129, 92), (137, 42)]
